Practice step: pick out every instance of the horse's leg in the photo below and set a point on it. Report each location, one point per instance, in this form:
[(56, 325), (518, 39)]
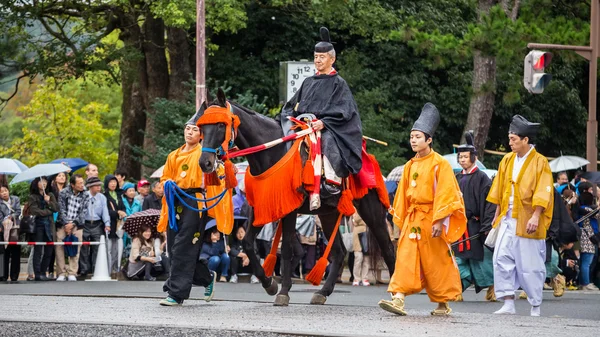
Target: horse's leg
[(371, 210), (268, 283), (288, 233), (336, 258)]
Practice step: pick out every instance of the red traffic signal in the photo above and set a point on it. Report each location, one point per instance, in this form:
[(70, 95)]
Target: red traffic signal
[(534, 78)]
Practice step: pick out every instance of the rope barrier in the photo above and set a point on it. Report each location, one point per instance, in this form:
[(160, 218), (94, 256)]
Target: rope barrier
[(17, 243)]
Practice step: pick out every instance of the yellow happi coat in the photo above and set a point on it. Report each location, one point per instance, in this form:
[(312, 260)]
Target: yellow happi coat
[(428, 192), (179, 162), (532, 188)]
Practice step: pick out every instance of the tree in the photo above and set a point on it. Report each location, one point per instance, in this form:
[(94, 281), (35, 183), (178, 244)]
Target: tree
[(56, 126), (66, 39)]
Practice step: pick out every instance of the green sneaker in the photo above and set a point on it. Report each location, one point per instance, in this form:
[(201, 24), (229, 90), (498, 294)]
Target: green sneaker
[(169, 302), (210, 289)]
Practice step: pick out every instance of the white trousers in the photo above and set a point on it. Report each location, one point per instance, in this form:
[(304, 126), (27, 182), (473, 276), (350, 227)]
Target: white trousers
[(519, 262)]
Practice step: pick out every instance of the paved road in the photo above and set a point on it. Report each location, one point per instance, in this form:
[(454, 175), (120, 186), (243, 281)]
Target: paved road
[(131, 308)]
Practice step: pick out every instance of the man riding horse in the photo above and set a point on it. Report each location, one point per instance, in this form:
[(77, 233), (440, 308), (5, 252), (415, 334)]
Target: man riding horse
[(327, 96)]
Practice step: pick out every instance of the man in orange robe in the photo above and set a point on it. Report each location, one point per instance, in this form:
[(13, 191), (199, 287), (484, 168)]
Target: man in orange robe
[(184, 237), (430, 212)]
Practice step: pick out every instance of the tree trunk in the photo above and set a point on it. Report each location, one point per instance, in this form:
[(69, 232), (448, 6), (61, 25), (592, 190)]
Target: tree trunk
[(179, 59), (133, 85), (483, 85), (482, 99), (157, 72)]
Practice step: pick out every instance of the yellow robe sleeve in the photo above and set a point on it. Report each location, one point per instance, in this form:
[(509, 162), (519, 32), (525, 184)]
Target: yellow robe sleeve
[(223, 211), (448, 201), (399, 205), (164, 211), (544, 191)]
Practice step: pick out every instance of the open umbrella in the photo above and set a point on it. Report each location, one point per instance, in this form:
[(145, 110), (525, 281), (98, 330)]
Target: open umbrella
[(158, 173), (453, 160), (74, 163), (565, 163), (396, 173), (148, 217), (39, 170), (11, 166)]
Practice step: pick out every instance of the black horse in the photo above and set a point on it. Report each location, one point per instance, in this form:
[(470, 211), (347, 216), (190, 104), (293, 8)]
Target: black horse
[(256, 129)]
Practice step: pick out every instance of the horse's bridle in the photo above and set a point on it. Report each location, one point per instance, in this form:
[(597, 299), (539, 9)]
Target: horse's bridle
[(220, 152)]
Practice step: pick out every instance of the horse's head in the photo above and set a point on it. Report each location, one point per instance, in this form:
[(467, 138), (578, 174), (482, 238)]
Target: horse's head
[(218, 126)]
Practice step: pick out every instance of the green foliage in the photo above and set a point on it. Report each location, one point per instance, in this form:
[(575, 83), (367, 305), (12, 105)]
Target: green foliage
[(221, 15), (57, 126), (21, 190)]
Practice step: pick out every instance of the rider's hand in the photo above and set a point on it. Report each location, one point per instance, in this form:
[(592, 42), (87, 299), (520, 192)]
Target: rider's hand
[(318, 125)]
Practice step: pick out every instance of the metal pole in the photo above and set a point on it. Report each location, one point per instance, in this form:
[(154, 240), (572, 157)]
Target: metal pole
[(592, 123), (200, 54)]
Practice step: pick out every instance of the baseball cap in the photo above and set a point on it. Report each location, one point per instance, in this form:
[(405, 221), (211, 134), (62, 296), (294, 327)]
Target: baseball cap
[(143, 182)]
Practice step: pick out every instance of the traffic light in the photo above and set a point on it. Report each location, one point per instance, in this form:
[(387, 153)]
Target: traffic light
[(534, 78)]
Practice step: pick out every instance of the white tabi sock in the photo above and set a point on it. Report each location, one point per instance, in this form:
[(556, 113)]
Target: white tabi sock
[(508, 308), (535, 311)]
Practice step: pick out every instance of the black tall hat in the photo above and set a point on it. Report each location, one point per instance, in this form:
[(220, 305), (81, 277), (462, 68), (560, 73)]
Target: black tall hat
[(522, 127), (470, 145), (325, 45), (428, 120)]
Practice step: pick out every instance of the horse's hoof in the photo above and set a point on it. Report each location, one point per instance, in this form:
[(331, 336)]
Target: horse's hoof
[(318, 299), (272, 288), (281, 301)]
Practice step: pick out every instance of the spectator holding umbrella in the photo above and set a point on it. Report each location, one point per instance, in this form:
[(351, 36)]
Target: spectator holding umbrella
[(10, 210), (42, 205), (143, 260)]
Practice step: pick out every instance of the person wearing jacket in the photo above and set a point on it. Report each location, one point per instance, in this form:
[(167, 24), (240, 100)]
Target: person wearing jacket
[(589, 228), (238, 258), (131, 205), (10, 210), (73, 202), (215, 252), (116, 212), (42, 205)]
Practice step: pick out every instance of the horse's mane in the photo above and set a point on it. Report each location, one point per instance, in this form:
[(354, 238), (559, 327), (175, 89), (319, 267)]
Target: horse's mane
[(249, 111)]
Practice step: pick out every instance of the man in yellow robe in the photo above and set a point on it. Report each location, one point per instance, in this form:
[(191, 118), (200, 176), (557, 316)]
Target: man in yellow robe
[(523, 191), (430, 212), (184, 234)]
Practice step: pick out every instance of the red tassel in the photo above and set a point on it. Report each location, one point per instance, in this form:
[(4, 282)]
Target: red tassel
[(345, 205), (308, 176), (230, 179), (269, 264), (316, 274), (211, 179), (271, 259)]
